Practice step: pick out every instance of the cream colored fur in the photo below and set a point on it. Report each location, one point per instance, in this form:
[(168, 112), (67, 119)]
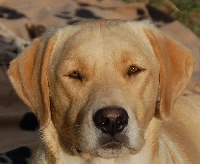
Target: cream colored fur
[(163, 127)]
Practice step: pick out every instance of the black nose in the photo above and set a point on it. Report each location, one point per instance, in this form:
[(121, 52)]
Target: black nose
[(111, 120)]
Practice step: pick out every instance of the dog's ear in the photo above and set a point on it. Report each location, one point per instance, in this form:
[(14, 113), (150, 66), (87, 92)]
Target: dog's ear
[(28, 74), (176, 65)]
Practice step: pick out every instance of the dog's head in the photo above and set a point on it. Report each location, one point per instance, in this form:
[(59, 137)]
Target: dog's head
[(98, 82)]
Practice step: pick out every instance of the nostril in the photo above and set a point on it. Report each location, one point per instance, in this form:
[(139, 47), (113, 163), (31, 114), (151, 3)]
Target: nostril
[(121, 122), (111, 120), (103, 121)]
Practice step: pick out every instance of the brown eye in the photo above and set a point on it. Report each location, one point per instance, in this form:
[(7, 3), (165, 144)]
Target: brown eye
[(75, 75), (133, 70)]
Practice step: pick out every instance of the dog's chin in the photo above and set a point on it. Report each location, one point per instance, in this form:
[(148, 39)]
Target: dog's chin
[(107, 151), (112, 150)]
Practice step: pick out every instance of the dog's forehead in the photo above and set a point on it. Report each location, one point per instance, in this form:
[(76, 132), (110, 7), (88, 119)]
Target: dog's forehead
[(98, 41)]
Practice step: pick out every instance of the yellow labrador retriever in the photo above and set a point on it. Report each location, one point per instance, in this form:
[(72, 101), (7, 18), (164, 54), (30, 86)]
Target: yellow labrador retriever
[(108, 91)]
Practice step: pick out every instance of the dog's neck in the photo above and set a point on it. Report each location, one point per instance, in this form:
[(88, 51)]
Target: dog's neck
[(154, 150)]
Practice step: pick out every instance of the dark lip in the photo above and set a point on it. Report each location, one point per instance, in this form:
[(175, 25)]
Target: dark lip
[(111, 145)]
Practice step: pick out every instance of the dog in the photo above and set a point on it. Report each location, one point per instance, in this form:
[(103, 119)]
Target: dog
[(109, 91)]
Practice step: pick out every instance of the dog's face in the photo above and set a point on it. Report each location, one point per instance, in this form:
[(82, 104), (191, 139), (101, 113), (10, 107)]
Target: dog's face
[(103, 79), (100, 82)]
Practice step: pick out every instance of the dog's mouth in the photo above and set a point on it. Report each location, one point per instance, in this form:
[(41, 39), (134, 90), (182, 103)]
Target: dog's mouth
[(106, 146), (112, 145), (108, 150)]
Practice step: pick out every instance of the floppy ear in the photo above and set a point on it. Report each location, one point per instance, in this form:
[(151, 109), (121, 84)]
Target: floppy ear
[(176, 65), (28, 74)]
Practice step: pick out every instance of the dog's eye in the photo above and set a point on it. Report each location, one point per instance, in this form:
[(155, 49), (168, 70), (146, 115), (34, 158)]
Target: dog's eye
[(133, 70), (75, 75)]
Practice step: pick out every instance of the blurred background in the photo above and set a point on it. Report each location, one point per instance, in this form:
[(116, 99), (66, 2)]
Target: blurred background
[(186, 11), (23, 20)]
